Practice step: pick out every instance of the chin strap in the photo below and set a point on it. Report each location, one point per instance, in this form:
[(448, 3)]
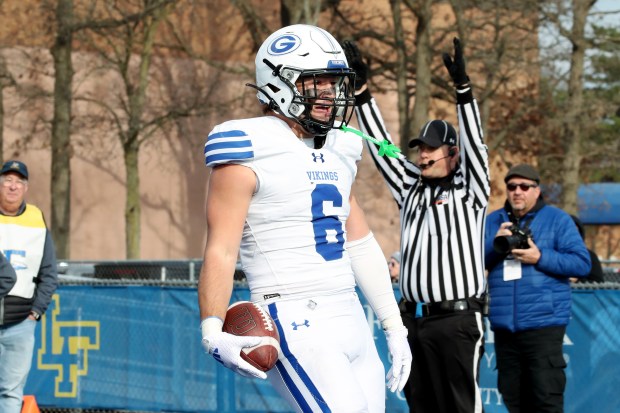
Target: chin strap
[(312, 127), (272, 103), (319, 141)]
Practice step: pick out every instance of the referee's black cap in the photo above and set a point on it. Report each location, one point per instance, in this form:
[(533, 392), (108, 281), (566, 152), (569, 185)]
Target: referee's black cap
[(435, 133)]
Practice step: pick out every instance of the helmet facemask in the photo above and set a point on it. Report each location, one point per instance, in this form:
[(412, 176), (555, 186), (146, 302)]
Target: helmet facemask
[(322, 100)]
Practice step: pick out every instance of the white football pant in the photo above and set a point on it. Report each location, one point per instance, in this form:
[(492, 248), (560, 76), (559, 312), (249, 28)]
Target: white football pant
[(329, 362)]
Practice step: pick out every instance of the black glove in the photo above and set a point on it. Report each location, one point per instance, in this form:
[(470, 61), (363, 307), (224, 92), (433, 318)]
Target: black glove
[(456, 67), (356, 62)]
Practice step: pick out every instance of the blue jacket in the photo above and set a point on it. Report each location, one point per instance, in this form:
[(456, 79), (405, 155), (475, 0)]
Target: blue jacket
[(542, 296)]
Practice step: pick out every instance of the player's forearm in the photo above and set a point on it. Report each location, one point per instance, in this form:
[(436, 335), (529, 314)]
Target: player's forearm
[(372, 276), (215, 284)]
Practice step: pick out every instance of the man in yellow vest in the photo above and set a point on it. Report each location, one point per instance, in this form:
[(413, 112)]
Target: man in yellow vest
[(27, 244)]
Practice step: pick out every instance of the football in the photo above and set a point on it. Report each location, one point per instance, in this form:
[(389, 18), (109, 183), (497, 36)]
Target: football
[(245, 318)]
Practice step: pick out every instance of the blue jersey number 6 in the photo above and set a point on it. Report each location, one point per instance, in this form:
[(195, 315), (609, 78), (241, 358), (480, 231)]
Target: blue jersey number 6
[(327, 225)]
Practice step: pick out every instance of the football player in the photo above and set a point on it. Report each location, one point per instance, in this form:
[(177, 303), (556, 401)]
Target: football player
[(280, 196)]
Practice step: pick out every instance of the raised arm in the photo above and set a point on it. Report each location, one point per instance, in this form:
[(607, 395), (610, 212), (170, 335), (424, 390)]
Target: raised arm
[(474, 161), (399, 173)]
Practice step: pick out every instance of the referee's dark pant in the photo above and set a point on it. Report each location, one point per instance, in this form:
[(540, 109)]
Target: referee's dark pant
[(447, 346), (530, 369)]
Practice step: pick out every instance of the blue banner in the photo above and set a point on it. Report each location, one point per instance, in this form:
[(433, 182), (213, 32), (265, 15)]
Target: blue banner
[(138, 348)]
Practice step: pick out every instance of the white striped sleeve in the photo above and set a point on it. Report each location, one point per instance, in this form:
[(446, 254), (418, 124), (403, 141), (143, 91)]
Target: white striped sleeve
[(399, 173), (474, 153), (228, 146)]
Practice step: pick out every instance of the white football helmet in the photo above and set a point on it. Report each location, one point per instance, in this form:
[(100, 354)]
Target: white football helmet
[(302, 52)]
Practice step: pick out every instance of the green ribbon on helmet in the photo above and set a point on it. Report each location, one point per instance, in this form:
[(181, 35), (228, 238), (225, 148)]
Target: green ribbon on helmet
[(385, 147)]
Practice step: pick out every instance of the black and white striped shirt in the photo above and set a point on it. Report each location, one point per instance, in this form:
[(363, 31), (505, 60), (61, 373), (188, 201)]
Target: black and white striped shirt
[(442, 226)]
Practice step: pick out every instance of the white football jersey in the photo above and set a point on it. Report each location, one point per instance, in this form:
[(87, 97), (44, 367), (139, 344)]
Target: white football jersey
[(294, 235)]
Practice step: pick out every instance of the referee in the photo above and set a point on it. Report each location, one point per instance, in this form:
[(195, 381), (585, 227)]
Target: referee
[(442, 201)]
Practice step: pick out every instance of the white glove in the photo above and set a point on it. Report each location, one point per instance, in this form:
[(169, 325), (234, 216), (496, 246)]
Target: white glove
[(226, 348), (401, 358)]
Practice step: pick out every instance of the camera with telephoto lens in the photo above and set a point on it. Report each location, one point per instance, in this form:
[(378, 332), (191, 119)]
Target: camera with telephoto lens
[(518, 240)]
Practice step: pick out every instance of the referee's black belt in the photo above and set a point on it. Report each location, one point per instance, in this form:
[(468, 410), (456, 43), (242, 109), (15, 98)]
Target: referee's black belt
[(470, 304)]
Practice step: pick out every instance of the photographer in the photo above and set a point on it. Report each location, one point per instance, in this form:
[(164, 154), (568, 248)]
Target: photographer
[(531, 250)]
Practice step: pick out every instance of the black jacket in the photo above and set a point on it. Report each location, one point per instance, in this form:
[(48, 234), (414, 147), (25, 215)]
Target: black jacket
[(7, 276)]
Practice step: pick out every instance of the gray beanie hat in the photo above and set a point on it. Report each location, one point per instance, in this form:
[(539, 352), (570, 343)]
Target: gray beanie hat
[(396, 256)]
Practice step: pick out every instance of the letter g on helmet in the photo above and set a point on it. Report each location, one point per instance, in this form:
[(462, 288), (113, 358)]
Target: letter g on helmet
[(283, 44)]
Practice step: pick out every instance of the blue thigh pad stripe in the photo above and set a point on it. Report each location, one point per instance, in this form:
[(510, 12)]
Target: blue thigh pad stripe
[(297, 395)]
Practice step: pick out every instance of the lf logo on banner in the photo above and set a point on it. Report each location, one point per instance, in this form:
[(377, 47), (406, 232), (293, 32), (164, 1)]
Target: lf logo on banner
[(65, 346)]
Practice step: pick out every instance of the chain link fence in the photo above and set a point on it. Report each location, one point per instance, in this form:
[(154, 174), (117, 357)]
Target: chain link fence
[(163, 271), (185, 273)]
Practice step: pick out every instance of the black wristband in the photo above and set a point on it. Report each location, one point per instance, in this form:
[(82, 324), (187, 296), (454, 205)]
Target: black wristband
[(362, 98), (464, 96)]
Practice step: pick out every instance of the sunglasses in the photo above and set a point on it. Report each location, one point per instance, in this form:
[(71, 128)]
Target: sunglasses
[(523, 187)]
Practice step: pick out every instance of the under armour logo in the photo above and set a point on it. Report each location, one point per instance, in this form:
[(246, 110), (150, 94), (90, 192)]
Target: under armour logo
[(306, 323), (319, 157), (217, 357)]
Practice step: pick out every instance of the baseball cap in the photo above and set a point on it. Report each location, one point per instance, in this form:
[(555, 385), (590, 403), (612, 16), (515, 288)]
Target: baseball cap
[(435, 133), (524, 171), (15, 166)]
